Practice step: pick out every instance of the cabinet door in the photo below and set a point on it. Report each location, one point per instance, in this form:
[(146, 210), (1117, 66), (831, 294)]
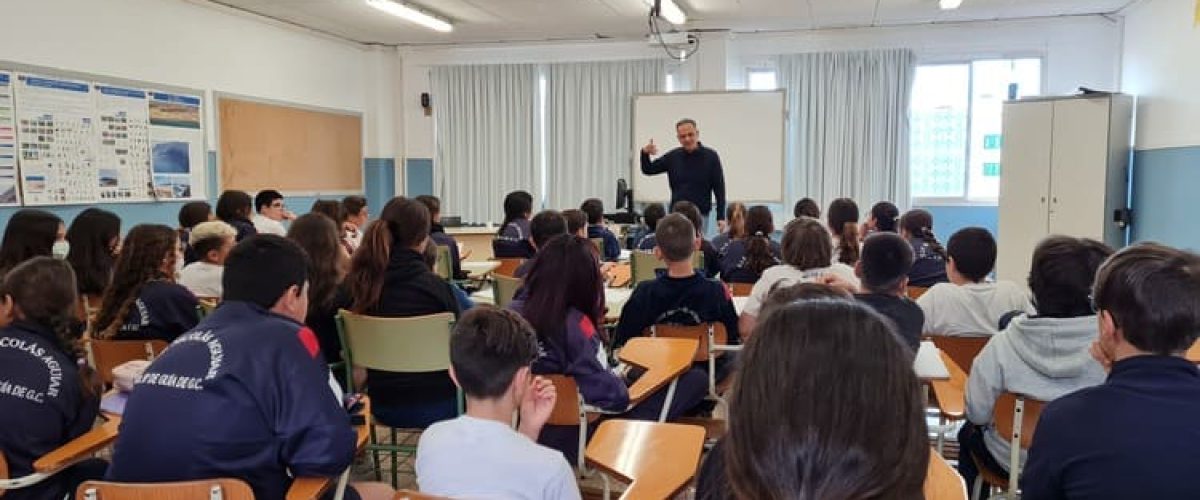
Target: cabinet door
[(1024, 185), (1079, 168)]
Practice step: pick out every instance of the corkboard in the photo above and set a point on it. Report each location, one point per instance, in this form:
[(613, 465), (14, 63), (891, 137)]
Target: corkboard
[(291, 149)]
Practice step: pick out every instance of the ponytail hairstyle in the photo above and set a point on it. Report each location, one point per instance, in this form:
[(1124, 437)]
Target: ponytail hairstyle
[(759, 226), (517, 205), (403, 224), (843, 223), (919, 224), (736, 213), (886, 215), (148, 252)]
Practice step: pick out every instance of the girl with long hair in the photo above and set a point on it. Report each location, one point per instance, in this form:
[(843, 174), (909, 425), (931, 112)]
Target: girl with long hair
[(884, 217), (95, 238), (744, 261), (144, 302), (513, 238), (32, 233), (235, 207), (929, 257), (843, 226), (328, 264), (735, 213)]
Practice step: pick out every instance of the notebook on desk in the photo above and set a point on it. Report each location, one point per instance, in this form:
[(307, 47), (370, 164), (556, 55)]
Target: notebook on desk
[(928, 363)]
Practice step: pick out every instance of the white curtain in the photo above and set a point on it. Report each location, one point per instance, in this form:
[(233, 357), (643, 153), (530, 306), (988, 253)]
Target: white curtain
[(590, 126), (486, 133), (848, 125)]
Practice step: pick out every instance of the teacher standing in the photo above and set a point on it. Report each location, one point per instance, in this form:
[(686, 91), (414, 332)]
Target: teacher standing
[(693, 171)]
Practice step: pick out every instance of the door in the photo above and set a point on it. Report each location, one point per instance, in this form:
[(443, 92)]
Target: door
[(1079, 168), (1024, 185)]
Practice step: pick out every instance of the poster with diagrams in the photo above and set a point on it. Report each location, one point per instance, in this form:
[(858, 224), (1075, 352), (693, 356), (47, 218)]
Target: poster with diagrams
[(123, 151), (9, 194), (177, 146), (56, 137)]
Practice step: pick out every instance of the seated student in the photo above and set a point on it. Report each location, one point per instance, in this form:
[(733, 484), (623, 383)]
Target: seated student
[(565, 304), (479, 454), (883, 218), (611, 249), (32, 233), (357, 216), (191, 214), (712, 259), (735, 213), (144, 301), (883, 268), (744, 260), (828, 438), (260, 411), (512, 240), (212, 241), (271, 213), (929, 258), (389, 277), (328, 263), (1135, 435), (653, 213), (969, 305), (334, 211), (233, 207), (429, 256), (806, 207), (807, 257), (438, 234), (95, 241), (53, 400), (546, 225), (576, 222), (1043, 356), (843, 226)]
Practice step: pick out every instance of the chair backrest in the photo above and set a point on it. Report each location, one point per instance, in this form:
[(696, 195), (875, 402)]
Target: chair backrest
[(414, 495), (442, 266), (567, 406), (508, 267), (1011, 408), (915, 292), (741, 289), (697, 332), (209, 489), (961, 349), (104, 355), (599, 244), (503, 289), (206, 305), (642, 266), (408, 345)]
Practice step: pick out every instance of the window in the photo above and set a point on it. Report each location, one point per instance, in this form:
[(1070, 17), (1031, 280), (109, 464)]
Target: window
[(955, 126), (761, 79), (670, 84)]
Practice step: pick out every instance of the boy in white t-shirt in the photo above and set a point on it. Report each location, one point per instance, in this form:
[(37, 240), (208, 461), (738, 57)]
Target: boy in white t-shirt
[(211, 241), (479, 455), (969, 305)]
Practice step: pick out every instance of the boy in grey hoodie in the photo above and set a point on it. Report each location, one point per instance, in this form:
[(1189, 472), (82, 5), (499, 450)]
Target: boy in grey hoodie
[(1042, 357)]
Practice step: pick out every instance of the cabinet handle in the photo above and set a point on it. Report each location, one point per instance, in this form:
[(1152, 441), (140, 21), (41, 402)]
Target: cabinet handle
[(1043, 199)]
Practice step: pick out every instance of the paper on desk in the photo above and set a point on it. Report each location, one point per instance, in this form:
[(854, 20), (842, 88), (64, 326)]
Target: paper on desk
[(928, 363)]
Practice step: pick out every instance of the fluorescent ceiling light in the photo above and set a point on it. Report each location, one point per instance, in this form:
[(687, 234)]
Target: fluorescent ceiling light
[(949, 4), (410, 13), (669, 11)]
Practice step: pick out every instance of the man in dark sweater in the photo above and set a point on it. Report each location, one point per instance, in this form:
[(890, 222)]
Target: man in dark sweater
[(883, 268), (693, 171), (1136, 435)]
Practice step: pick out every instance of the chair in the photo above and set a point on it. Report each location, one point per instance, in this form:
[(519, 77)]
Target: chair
[(503, 289), (418, 344), (104, 355), (741, 289), (508, 267), (599, 243), (1193, 353), (89, 307), (414, 495), (714, 342), (1015, 418), (212, 489), (915, 292), (570, 410), (62, 457), (942, 482), (206, 306), (961, 349), (442, 266)]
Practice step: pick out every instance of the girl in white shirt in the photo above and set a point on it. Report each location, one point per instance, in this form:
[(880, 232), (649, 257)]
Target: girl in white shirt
[(212, 242)]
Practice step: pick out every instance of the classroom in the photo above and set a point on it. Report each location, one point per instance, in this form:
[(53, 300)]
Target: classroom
[(556, 249)]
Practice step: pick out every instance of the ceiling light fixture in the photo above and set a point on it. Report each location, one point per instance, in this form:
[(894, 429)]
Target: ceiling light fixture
[(410, 13), (667, 9), (949, 4)]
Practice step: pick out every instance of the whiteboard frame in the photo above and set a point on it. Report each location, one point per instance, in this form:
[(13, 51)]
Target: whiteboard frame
[(636, 155)]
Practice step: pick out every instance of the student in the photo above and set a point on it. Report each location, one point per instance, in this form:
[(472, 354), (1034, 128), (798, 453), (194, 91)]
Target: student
[(233, 207), (843, 226), (212, 241), (653, 213), (479, 454), (271, 212), (735, 213), (969, 305), (328, 263), (144, 302), (95, 240), (1043, 356), (191, 214), (430, 257), (846, 428), (806, 207), (565, 305), (611, 249), (328, 208), (712, 259), (512, 240), (545, 226), (883, 218), (744, 260), (260, 411), (1135, 435), (784, 295), (32, 233), (439, 236), (929, 258), (576, 222), (388, 277), (357, 216), (807, 253), (54, 400), (883, 269)]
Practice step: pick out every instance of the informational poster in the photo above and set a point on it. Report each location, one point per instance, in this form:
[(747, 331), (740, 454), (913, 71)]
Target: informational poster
[(56, 137), (9, 194), (177, 146), (123, 152)]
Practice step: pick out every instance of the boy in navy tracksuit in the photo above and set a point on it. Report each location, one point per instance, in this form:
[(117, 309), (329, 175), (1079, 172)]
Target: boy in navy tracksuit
[(438, 234), (245, 394), (594, 209)]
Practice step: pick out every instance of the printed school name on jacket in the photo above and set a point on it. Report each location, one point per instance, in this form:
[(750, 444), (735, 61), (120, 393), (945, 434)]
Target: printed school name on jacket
[(53, 369), (193, 381)]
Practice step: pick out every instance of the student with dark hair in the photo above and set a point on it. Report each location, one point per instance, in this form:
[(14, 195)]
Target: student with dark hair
[(329, 208), (883, 218), (328, 263), (430, 257), (438, 234), (735, 213), (546, 225), (212, 241), (806, 207), (781, 296), (883, 268), (95, 238), (512, 241), (260, 409), (929, 258), (1135, 435), (594, 209), (479, 454), (388, 277), (969, 305), (357, 216), (843, 226), (1043, 356), (744, 260), (32, 233), (860, 431), (712, 259), (653, 213), (191, 214), (39, 353), (144, 302), (576, 222), (234, 208), (271, 213)]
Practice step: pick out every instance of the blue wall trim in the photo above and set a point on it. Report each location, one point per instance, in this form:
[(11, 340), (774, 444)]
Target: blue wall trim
[(379, 177), (947, 219), (1164, 190), (418, 177)]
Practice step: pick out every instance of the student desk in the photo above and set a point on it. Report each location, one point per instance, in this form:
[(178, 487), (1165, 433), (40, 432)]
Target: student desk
[(82, 446), (475, 242), (664, 360), (942, 482), (657, 460), (479, 269), (1193, 354), (950, 392)]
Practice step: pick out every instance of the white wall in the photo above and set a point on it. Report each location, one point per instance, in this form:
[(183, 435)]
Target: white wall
[(1161, 69)]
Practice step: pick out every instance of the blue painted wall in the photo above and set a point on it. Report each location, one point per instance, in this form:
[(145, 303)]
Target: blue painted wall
[(418, 177), (947, 219), (1165, 183)]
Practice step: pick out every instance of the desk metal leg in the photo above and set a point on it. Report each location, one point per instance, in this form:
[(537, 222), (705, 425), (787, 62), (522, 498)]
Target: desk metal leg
[(662, 415)]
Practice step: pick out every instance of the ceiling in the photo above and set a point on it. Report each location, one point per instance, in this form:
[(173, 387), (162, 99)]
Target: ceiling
[(518, 20)]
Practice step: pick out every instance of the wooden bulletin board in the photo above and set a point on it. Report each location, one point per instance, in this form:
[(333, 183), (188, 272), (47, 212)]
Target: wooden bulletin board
[(291, 149)]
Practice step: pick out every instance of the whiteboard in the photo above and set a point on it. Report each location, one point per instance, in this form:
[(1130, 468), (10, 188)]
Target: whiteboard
[(745, 128)]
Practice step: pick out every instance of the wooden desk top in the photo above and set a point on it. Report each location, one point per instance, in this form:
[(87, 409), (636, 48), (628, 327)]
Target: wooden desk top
[(664, 359), (1193, 354), (479, 268), (87, 444), (942, 482), (311, 488), (950, 393), (658, 460)]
